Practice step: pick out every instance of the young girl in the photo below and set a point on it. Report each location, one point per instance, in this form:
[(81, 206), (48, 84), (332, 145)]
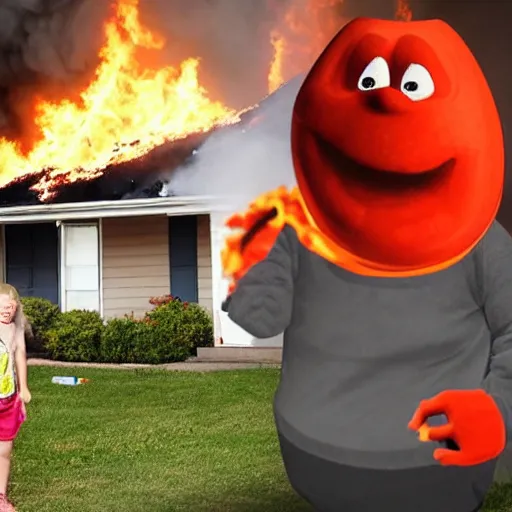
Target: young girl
[(14, 393)]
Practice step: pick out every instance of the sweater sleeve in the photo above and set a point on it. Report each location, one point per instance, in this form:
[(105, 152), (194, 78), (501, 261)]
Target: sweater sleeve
[(496, 294), (263, 298)]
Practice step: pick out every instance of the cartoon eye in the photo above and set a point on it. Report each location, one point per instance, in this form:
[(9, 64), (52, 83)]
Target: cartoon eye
[(375, 76), (417, 83)]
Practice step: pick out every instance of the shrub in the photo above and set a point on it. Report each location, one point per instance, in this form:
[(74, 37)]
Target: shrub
[(42, 314), (76, 336), (171, 332), (126, 340), (182, 324)]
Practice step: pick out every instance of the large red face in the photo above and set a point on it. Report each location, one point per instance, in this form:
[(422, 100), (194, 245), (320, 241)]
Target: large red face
[(397, 143)]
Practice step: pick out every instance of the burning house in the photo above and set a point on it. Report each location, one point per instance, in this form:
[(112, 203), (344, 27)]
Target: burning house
[(91, 214), (109, 242)]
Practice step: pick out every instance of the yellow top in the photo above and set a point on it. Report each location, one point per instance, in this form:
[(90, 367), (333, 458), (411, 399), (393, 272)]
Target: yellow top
[(7, 373)]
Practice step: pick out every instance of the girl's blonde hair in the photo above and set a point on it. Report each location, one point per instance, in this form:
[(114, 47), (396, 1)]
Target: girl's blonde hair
[(20, 319)]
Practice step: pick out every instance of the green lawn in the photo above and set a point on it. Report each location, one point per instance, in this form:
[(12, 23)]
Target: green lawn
[(156, 442)]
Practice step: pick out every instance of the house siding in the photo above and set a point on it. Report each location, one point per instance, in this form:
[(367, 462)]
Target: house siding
[(136, 263)]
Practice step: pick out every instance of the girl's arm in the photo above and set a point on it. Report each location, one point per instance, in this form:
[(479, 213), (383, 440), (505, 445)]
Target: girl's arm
[(20, 360)]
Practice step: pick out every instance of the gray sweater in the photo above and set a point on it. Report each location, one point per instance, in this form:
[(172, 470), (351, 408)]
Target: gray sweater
[(361, 352)]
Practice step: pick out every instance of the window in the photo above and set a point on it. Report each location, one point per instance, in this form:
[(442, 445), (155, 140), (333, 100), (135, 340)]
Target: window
[(80, 278)]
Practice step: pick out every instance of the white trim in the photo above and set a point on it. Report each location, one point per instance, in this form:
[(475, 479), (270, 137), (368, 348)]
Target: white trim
[(182, 205), (62, 266), (100, 262), (216, 263)]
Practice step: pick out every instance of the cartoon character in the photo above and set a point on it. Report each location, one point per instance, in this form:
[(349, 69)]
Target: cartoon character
[(389, 276)]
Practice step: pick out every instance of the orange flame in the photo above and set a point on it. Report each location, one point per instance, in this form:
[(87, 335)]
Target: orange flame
[(300, 37), (291, 211), (403, 11), (234, 262), (125, 112)]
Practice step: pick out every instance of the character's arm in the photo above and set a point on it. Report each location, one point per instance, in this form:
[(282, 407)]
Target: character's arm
[(478, 419), (496, 292), (262, 301), (20, 360)]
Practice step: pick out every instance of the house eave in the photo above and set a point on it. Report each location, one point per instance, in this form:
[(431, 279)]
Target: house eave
[(176, 205)]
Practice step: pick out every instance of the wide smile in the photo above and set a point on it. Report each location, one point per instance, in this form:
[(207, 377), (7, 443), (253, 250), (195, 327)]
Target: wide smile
[(383, 180)]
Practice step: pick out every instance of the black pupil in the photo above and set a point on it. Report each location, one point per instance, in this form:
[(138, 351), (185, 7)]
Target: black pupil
[(411, 86), (368, 82)]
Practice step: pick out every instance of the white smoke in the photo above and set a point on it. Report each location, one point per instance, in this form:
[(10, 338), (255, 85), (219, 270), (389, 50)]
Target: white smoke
[(242, 162)]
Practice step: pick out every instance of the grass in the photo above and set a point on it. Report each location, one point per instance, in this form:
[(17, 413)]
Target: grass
[(158, 442)]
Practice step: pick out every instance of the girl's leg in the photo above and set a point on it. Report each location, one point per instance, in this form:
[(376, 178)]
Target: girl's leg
[(5, 468), (5, 465)]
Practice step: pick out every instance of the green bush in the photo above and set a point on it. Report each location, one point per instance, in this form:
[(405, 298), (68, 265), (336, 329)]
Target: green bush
[(126, 340), (171, 332), (42, 314), (76, 336), (185, 325)]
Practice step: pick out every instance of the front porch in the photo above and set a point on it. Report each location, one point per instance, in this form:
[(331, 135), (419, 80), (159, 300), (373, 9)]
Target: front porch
[(239, 354)]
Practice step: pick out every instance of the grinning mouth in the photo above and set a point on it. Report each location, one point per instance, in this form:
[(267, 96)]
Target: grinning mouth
[(383, 179)]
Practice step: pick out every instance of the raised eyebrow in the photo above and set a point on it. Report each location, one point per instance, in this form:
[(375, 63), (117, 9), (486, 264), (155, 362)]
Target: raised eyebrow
[(362, 53), (411, 49)]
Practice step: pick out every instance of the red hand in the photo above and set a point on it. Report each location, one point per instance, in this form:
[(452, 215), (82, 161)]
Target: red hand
[(475, 423)]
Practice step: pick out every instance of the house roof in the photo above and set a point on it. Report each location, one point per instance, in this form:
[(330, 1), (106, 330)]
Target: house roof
[(138, 179), (139, 187), (184, 205)]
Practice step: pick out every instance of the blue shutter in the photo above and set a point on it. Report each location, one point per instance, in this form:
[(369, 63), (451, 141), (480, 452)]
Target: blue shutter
[(183, 257)]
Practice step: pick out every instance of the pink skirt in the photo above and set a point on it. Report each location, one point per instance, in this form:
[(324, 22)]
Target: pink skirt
[(12, 416)]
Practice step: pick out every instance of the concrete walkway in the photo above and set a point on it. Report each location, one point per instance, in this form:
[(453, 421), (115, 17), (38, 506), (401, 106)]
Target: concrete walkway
[(187, 366)]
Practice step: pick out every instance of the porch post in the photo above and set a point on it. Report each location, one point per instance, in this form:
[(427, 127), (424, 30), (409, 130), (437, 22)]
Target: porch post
[(219, 283)]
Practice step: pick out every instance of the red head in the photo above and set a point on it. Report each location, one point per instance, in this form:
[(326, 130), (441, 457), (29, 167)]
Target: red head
[(397, 143)]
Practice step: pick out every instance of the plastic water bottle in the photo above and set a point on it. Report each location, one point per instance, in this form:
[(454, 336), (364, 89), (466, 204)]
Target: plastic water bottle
[(69, 381)]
